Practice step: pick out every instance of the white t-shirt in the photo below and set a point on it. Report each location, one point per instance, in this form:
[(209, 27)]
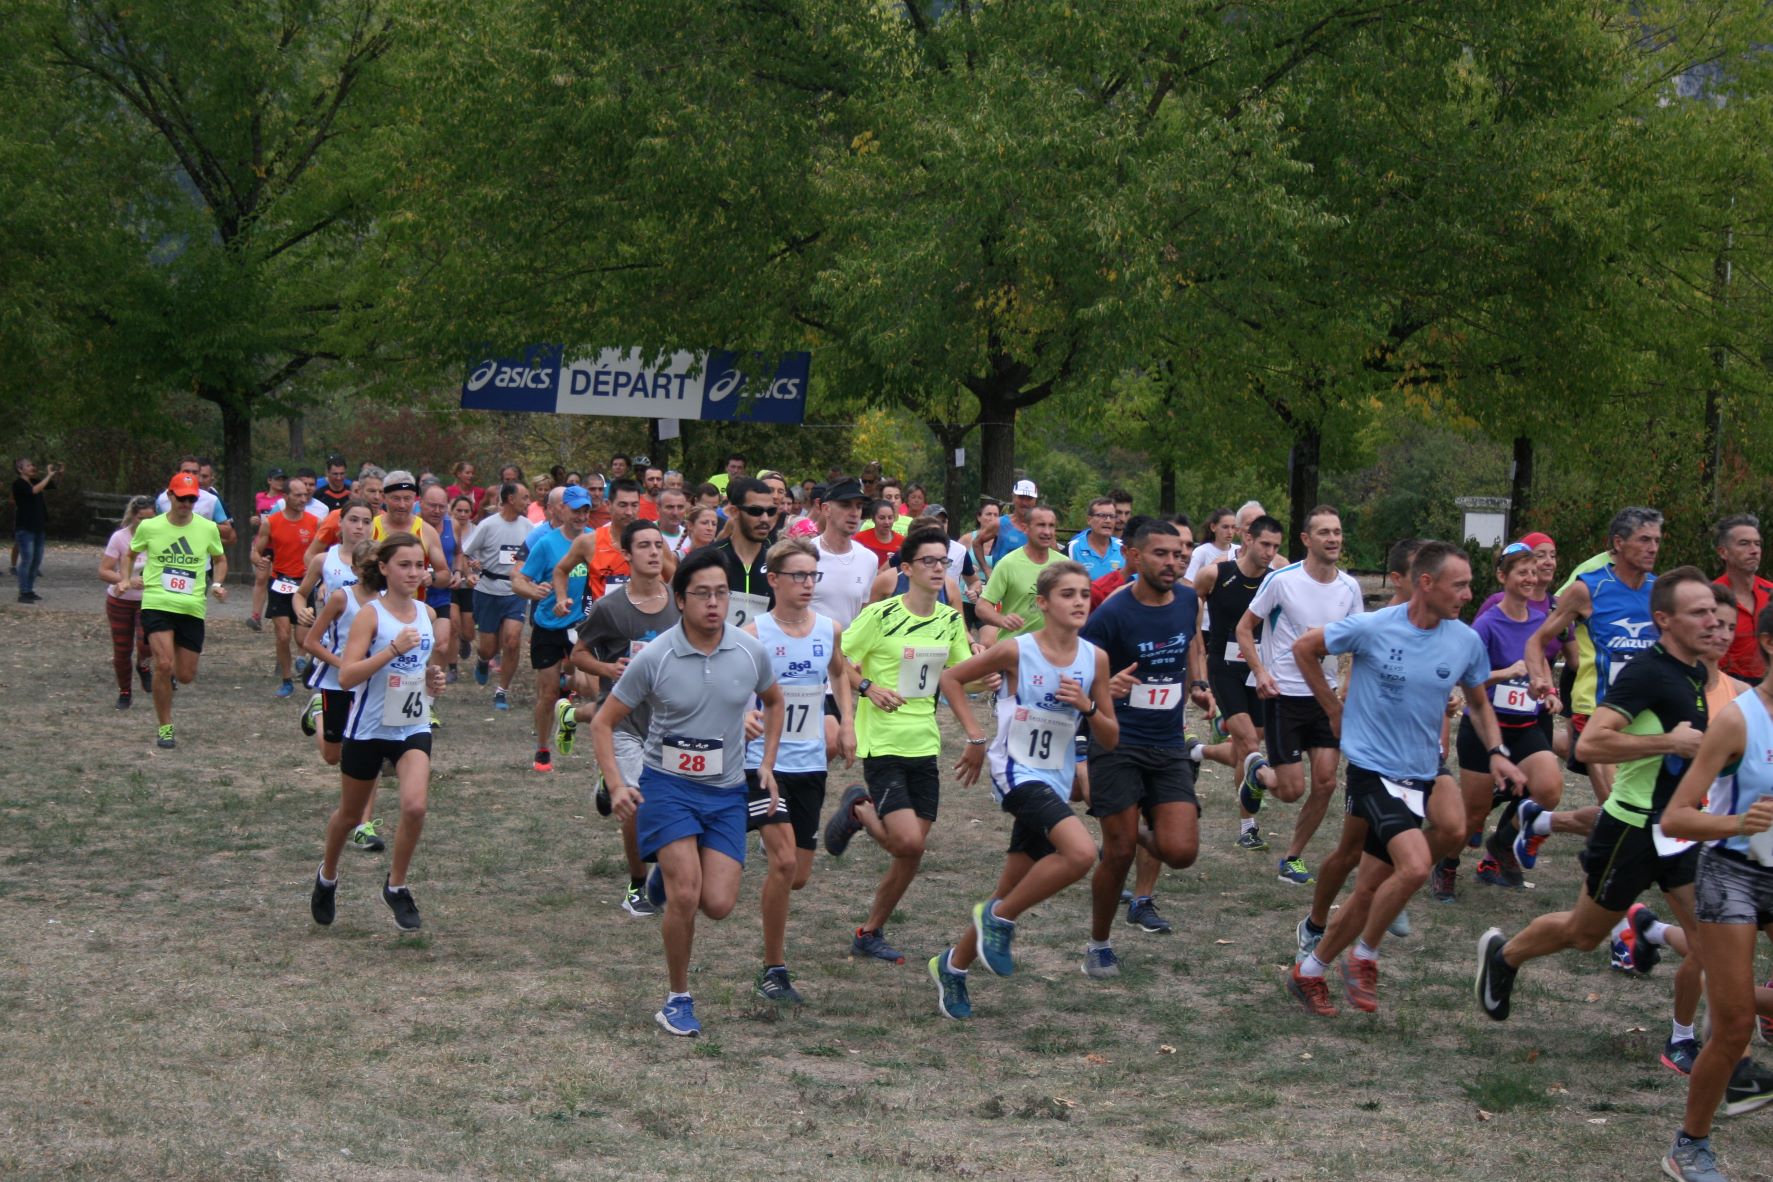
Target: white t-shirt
[(1205, 555), (843, 592), (1291, 603), (313, 509), (208, 505)]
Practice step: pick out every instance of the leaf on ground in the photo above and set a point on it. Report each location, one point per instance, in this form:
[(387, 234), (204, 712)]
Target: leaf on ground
[(1482, 1115), (1098, 1060), (1166, 1049)]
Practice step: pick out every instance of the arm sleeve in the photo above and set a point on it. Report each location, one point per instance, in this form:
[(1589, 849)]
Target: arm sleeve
[(859, 636), (636, 682), (1265, 599), (1477, 669), (537, 569), (215, 541), (766, 676), (959, 647), (998, 585), (1635, 691), (140, 541), (1345, 635)]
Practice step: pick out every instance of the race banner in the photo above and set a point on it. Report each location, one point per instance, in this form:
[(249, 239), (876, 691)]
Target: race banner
[(717, 386)]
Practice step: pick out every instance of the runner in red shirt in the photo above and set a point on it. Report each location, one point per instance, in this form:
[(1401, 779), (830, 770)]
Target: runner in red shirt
[(1738, 540)]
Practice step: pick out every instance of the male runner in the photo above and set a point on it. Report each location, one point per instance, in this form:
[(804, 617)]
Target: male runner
[(673, 507), (848, 568), (1096, 549), (1225, 590), (1651, 728), (553, 618), (1738, 542), (1609, 609), (1012, 529), (180, 547), (1008, 601), (752, 505), (279, 549), (699, 679), (1147, 631), (901, 645), (209, 505), (1292, 601), (652, 487), (1407, 660), (497, 547), (334, 492)]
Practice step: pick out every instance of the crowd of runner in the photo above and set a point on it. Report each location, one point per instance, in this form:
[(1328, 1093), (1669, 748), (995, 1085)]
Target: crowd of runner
[(726, 640)]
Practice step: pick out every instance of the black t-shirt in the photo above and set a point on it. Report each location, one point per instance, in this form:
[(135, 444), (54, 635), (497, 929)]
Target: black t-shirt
[(1226, 604), (33, 508), (1657, 693), (332, 500), (750, 588)]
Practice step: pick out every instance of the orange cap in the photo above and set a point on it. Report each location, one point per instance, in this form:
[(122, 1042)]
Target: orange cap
[(184, 485)]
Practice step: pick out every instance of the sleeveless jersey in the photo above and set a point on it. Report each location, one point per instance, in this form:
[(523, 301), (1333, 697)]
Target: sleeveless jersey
[(372, 709), (289, 542), (1232, 592), (336, 571), (1752, 777), (439, 597), (801, 664), (1619, 627), (1034, 729), (324, 676)]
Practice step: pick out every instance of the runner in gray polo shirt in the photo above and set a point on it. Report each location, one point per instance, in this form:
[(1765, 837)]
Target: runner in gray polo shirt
[(496, 547), (698, 678)]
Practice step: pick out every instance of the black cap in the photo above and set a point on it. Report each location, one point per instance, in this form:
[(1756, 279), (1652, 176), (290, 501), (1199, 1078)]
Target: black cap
[(849, 489), (274, 474)]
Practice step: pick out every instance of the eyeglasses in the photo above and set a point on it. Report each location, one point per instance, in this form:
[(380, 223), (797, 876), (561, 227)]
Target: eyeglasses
[(1095, 516), (802, 577), (1516, 548), (758, 510), (705, 594), (930, 561)]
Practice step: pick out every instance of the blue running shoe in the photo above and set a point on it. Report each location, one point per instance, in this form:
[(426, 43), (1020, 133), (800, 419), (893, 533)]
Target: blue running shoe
[(285, 689), (655, 886), (1142, 914), (995, 936), (1100, 963), (1475, 841), (1526, 842), (1645, 955), (873, 945), (500, 702), (482, 672), (1680, 1054), (679, 1017), (1250, 791), (1293, 870), (951, 988), (1621, 949)]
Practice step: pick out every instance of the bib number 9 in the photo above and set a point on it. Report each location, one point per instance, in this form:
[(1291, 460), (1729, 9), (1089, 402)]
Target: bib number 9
[(920, 668)]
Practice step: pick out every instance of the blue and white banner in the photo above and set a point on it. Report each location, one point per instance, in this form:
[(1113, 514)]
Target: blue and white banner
[(719, 386)]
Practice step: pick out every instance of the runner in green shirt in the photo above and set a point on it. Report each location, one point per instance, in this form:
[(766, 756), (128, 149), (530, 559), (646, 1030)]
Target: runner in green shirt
[(1008, 602), (179, 546), (901, 645)]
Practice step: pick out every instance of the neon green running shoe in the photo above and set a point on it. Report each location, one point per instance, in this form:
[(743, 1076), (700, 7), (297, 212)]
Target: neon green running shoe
[(166, 740), (566, 726)]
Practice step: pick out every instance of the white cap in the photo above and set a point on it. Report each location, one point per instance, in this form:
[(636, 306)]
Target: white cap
[(1025, 488)]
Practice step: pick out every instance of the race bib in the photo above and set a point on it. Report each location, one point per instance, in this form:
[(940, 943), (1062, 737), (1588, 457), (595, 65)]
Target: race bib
[(742, 608), (920, 668), (284, 586), (1038, 737), (1511, 697), (634, 647), (1234, 654), (1666, 846), (803, 718), (404, 700), (615, 581), (509, 555), (692, 758), (179, 582), (1406, 790), (1162, 694)]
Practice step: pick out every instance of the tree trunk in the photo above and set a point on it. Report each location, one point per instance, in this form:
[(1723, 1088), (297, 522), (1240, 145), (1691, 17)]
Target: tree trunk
[(1520, 486), (1166, 486), (952, 436), (997, 443), (237, 481), (656, 450), (1302, 483), (298, 437), (1713, 455)]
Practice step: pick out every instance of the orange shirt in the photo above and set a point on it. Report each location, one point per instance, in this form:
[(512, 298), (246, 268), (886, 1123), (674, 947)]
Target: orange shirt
[(609, 566), (289, 543)]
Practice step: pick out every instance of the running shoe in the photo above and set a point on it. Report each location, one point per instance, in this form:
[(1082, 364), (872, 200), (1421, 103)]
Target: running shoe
[(146, 673), (367, 838), (638, 905), (1400, 927), (1495, 978), (655, 886), (1251, 839), (166, 740), (1645, 955), (1622, 951), (1216, 728), (1307, 939), (873, 945), (1142, 914), (1250, 792), (1690, 1160), (323, 903), (1679, 1054), (434, 722), (256, 622), (1310, 992), (1526, 842), (544, 761), (1360, 983), (302, 665), (1751, 1087), (311, 715), (1475, 841), (1500, 847), (451, 675), (995, 937), (951, 988), (285, 688), (1444, 880), (775, 985), (1767, 1023), (405, 908), (566, 726), (1293, 870), (123, 701), (464, 649), (500, 702), (604, 805), (679, 1017), (482, 672), (843, 824), (1101, 963), (1491, 873)]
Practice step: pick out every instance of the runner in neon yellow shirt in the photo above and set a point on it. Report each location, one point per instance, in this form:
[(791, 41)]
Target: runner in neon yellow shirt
[(179, 546)]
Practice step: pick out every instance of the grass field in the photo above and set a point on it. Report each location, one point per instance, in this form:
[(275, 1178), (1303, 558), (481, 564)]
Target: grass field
[(171, 1011)]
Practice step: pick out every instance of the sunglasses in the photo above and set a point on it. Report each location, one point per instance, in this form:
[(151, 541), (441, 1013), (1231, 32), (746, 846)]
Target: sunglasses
[(1516, 548), (186, 500), (758, 510)]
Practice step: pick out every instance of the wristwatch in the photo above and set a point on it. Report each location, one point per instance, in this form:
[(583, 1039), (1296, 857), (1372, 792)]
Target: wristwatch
[(1200, 685), (864, 686), (1499, 749)]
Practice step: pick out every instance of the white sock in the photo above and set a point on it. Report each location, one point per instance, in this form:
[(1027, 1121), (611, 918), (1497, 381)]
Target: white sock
[(1679, 1033), (1365, 953), (991, 910), (1657, 933), (948, 963), (1621, 926), (1541, 826), (1311, 966), (1246, 825), (1098, 945), (671, 997), (325, 881)]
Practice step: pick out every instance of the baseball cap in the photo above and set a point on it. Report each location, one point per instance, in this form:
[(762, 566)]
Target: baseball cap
[(399, 479), (576, 497), (183, 485), (847, 489), (274, 474), (934, 511), (1025, 488)]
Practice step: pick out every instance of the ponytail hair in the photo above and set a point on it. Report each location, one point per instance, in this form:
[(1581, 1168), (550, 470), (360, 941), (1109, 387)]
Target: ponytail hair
[(371, 572)]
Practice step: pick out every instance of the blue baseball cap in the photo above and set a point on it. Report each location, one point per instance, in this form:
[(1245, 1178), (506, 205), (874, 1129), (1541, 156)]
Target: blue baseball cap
[(575, 497)]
